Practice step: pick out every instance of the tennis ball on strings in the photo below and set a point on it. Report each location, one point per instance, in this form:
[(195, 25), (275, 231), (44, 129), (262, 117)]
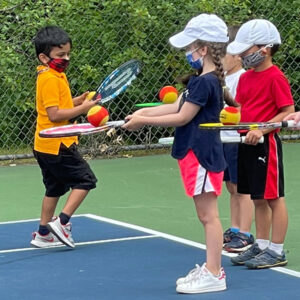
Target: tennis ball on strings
[(230, 115), (168, 94), (98, 115)]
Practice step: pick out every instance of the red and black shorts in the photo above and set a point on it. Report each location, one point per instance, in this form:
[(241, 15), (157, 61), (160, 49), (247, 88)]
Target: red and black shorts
[(260, 169)]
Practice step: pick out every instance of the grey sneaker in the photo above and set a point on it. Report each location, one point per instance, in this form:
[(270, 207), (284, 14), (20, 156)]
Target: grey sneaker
[(44, 241), (267, 259), (246, 255), (62, 232)]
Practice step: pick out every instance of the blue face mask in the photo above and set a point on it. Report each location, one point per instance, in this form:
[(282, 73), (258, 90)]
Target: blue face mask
[(196, 64)]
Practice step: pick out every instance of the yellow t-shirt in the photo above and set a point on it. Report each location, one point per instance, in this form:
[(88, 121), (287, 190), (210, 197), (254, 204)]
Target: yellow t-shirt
[(52, 89)]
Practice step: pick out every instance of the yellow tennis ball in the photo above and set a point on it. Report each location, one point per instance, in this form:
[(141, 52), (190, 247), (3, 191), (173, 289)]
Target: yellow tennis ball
[(90, 95), (97, 115), (168, 94), (230, 115), (170, 98)]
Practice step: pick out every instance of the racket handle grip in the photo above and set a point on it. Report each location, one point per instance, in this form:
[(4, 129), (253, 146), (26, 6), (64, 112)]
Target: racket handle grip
[(290, 124), (260, 141), (237, 139)]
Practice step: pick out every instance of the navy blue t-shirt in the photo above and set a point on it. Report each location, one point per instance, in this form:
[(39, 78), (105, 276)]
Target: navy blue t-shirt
[(206, 92)]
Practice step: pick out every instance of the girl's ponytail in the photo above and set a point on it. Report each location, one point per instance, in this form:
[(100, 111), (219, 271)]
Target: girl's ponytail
[(217, 51)]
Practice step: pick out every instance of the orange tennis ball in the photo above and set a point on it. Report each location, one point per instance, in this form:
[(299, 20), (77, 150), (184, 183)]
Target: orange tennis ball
[(230, 115), (97, 115), (168, 94)]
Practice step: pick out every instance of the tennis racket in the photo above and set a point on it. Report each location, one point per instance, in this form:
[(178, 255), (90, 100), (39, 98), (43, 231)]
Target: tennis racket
[(77, 129), (116, 83), (225, 140), (251, 126)]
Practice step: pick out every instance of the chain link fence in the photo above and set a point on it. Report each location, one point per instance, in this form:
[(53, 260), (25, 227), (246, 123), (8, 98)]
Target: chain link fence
[(105, 34)]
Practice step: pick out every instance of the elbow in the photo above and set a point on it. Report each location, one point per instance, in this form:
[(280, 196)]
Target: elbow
[(54, 118), (183, 121)]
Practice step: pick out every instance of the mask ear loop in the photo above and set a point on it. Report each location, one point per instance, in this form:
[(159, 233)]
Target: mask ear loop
[(267, 46)]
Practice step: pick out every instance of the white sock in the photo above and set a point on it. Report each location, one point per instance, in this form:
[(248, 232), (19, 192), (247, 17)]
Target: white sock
[(262, 244), (278, 248)]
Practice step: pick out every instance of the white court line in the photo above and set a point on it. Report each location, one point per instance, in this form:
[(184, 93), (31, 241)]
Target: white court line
[(82, 243), (32, 220), (154, 233), (180, 240)]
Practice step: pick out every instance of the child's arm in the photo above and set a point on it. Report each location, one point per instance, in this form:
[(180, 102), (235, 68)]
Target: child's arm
[(253, 136), (176, 119), (58, 115)]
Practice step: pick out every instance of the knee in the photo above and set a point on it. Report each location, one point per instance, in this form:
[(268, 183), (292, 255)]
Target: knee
[(206, 218)]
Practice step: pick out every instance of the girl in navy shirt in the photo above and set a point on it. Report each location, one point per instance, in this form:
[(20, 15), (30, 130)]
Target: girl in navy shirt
[(199, 153)]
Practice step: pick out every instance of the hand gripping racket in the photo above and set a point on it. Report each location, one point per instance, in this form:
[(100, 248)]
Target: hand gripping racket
[(225, 140), (251, 126), (117, 82), (77, 129)]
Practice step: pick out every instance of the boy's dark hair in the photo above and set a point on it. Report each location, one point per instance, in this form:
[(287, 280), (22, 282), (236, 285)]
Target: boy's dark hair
[(49, 37), (274, 49)]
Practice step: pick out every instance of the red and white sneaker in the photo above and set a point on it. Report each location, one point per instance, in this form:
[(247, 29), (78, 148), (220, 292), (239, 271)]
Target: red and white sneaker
[(62, 232), (192, 274), (204, 282), (44, 241)]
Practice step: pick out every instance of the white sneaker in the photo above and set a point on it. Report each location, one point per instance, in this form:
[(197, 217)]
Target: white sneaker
[(62, 232), (193, 273), (203, 283), (44, 241)]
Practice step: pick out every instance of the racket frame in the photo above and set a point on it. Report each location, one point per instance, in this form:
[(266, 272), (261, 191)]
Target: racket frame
[(107, 81), (250, 126), (89, 129)]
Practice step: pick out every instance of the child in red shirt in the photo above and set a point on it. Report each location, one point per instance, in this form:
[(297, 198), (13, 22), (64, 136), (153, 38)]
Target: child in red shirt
[(264, 95)]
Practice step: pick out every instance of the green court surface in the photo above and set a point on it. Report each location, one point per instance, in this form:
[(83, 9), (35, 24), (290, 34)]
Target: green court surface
[(145, 191)]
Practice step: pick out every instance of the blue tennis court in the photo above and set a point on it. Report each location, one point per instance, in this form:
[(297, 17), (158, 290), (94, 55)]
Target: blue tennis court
[(114, 260)]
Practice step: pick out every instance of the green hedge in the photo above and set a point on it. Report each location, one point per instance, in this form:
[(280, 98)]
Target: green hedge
[(108, 33)]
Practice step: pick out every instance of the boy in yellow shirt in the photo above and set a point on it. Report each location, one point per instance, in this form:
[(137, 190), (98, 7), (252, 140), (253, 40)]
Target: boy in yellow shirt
[(62, 166)]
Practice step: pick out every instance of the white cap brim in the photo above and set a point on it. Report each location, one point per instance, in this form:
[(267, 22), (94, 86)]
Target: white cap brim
[(181, 40), (235, 48)]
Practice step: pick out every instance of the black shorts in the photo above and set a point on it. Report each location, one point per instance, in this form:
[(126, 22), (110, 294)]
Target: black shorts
[(64, 171), (231, 157), (260, 169)]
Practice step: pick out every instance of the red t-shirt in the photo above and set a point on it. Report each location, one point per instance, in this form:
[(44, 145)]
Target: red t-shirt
[(262, 94)]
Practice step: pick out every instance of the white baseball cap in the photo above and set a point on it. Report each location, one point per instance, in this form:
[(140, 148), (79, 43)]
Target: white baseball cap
[(205, 27), (254, 32)]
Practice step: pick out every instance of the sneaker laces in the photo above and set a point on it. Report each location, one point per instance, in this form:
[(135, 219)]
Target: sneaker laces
[(198, 274), (68, 227), (194, 272)]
